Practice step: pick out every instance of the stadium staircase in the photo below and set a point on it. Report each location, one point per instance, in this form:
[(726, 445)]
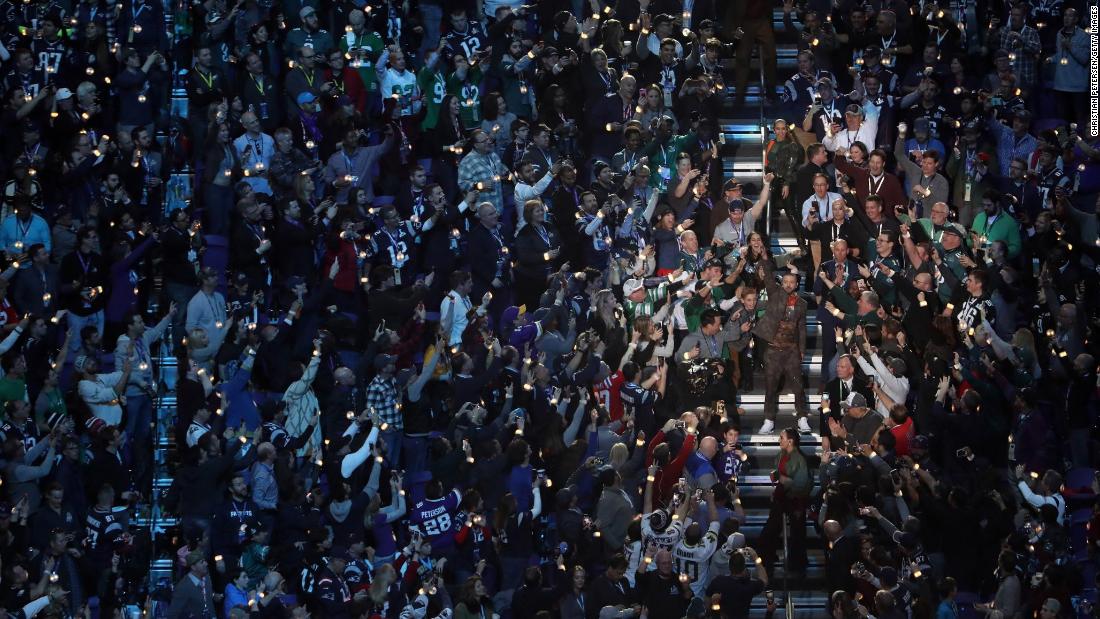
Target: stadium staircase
[(160, 526), (745, 133)]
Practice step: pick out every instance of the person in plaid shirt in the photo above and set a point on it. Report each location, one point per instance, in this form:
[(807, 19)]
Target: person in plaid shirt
[(483, 170), (1022, 43), (383, 400)]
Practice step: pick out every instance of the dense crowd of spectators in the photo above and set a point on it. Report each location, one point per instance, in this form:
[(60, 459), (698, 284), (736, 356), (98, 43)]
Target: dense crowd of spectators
[(448, 308)]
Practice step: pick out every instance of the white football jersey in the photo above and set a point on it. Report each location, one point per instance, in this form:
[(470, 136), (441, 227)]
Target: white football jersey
[(694, 560), (666, 539)]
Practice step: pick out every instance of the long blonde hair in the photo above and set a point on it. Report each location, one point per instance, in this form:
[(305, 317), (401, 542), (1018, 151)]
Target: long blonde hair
[(619, 456), (380, 586)]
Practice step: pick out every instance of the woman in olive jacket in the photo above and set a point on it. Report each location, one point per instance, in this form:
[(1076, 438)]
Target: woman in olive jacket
[(792, 490)]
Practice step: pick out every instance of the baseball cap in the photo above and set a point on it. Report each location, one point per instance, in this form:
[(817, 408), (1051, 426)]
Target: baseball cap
[(853, 108), (62, 94), (383, 360), (872, 50), (194, 557), (715, 262), (94, 425), (404, 375), (737, 540), (905, 538), (548, 51), (306, 11), (956, 229), (659, 519), (731, 184), (208, 272), (306, 97), (55, 419), (919, 441), (920, 124), (855, 400), (631, 286), (1052, 605)]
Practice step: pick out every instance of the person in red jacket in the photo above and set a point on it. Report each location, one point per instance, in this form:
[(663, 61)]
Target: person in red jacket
[(346, 246), (873, 180), (345, 80), (669, 471)]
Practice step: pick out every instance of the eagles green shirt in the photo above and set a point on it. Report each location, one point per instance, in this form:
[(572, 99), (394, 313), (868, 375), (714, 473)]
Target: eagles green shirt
[(645, 307), (883, 285), (695, 306), (434, 86), (469, 97), (364, 50), (950, 261), (662, 159), (845, 303)]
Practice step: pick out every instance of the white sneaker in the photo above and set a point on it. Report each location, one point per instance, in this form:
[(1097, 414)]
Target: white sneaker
[(768, 427), (804, 426)]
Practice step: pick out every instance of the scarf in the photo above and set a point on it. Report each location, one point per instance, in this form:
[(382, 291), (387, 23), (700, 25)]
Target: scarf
[(309, 125)]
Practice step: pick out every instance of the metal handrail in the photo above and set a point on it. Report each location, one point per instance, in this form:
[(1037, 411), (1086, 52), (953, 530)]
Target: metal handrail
[(788, 600), (764, 150)]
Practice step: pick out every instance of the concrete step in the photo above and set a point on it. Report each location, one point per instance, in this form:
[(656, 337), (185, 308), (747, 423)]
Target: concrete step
[(743, 167), (753, 528)]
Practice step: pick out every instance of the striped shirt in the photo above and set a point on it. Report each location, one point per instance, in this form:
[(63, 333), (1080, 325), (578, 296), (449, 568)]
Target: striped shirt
[(645, 307)]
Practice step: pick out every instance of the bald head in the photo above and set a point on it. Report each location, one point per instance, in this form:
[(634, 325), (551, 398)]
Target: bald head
[(344, 376), (840, 250), (1084, 362), (708, 447), (923, 281), (485, 209), (832, 530)]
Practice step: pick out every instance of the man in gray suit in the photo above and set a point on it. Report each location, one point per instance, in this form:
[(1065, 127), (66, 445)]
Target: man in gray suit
[(615, 511), (708, 343), (783, 325), (193, 597)]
